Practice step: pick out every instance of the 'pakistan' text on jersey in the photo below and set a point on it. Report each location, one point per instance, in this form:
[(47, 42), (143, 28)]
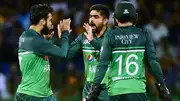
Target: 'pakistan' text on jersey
[(125, 48), (91, 53), (34, 52)]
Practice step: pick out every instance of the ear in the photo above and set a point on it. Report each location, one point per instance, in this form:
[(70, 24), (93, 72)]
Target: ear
[(105, 21), (42, 22)]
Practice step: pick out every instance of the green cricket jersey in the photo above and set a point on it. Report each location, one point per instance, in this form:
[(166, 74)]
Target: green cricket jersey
[(126, 48), (34, 53), (91, 53)]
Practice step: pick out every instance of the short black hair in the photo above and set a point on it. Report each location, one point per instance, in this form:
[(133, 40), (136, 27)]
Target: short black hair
[(127, 19), (103, 9), (38, 12)]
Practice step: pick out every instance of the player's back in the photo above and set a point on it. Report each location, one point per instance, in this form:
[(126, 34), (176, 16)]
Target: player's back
[(34, 67), (127, 70)]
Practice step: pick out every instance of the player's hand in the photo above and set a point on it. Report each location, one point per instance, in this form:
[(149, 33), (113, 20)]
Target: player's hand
[(164, 93), (84, 99), (94, 92), (59, 29), (88, 33), (65, 25)]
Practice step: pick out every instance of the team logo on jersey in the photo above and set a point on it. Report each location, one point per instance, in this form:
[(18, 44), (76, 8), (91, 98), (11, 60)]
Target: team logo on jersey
[(47, 68), (90, 58)]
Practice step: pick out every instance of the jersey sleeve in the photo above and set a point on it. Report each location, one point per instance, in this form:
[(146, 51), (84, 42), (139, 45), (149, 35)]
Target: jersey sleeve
[(75, 47), (45, 47), (105, 57), (53, 39), (150, 53), (96, 43)]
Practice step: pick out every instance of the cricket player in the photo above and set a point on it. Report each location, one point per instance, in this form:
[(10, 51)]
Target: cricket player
[(34, 52), (90, 43), (125, 48)]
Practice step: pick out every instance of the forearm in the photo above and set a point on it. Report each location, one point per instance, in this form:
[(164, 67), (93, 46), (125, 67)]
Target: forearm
[(156, 71), (75, 48), (53, 40), (45, 47), (64, 44), (71, 54), (105, 58), (96, 44), (100, 72)]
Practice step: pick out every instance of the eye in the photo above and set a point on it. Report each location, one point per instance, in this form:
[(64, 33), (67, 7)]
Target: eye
[(96, 16)]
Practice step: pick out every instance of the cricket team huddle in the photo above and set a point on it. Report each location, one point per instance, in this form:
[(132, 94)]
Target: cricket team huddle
[(113, 57)]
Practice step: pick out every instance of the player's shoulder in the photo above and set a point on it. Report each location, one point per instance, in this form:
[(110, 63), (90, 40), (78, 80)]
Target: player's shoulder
[(24, 34), (137, 29), (143, 31), (28, 33), (110, 35), (33, 36), (113, 32), (81, 36)]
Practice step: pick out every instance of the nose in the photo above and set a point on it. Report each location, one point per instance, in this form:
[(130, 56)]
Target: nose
[(91, 20)]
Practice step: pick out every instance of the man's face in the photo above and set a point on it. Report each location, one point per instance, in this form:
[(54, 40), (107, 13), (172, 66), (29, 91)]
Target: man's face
[(48, 27), (96, 21)]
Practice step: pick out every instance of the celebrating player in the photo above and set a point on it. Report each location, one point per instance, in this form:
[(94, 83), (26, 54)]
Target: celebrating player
[(90, 43), (34, 52), (125, 49)]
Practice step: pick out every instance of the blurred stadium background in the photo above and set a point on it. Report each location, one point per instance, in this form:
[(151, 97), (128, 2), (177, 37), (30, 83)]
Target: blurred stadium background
[(160, 17)]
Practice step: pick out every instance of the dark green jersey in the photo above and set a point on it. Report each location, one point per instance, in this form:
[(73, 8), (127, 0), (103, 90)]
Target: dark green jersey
[(34, 53), (126, 48), (90, 52)]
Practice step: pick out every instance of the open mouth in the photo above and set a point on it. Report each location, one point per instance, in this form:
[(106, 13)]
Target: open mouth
[(93, 26)]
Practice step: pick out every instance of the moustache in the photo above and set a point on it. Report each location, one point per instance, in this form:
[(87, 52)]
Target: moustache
[(92, 24), (52, 28)]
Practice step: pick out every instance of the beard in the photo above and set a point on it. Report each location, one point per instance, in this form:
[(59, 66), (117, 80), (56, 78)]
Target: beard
[(45, 30), (97, 28)]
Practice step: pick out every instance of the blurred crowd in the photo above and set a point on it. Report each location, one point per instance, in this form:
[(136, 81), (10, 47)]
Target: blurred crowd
[(160, 17)]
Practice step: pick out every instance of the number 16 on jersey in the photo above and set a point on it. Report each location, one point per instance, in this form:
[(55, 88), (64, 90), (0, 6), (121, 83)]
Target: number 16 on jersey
[(129, 63)]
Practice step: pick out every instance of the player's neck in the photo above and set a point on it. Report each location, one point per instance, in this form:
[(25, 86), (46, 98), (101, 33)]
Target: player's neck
[(125, 24), (101, 32), (36, 28)]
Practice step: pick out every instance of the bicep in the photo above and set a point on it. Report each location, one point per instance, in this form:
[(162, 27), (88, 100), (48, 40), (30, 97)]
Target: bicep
[(149, 48)]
